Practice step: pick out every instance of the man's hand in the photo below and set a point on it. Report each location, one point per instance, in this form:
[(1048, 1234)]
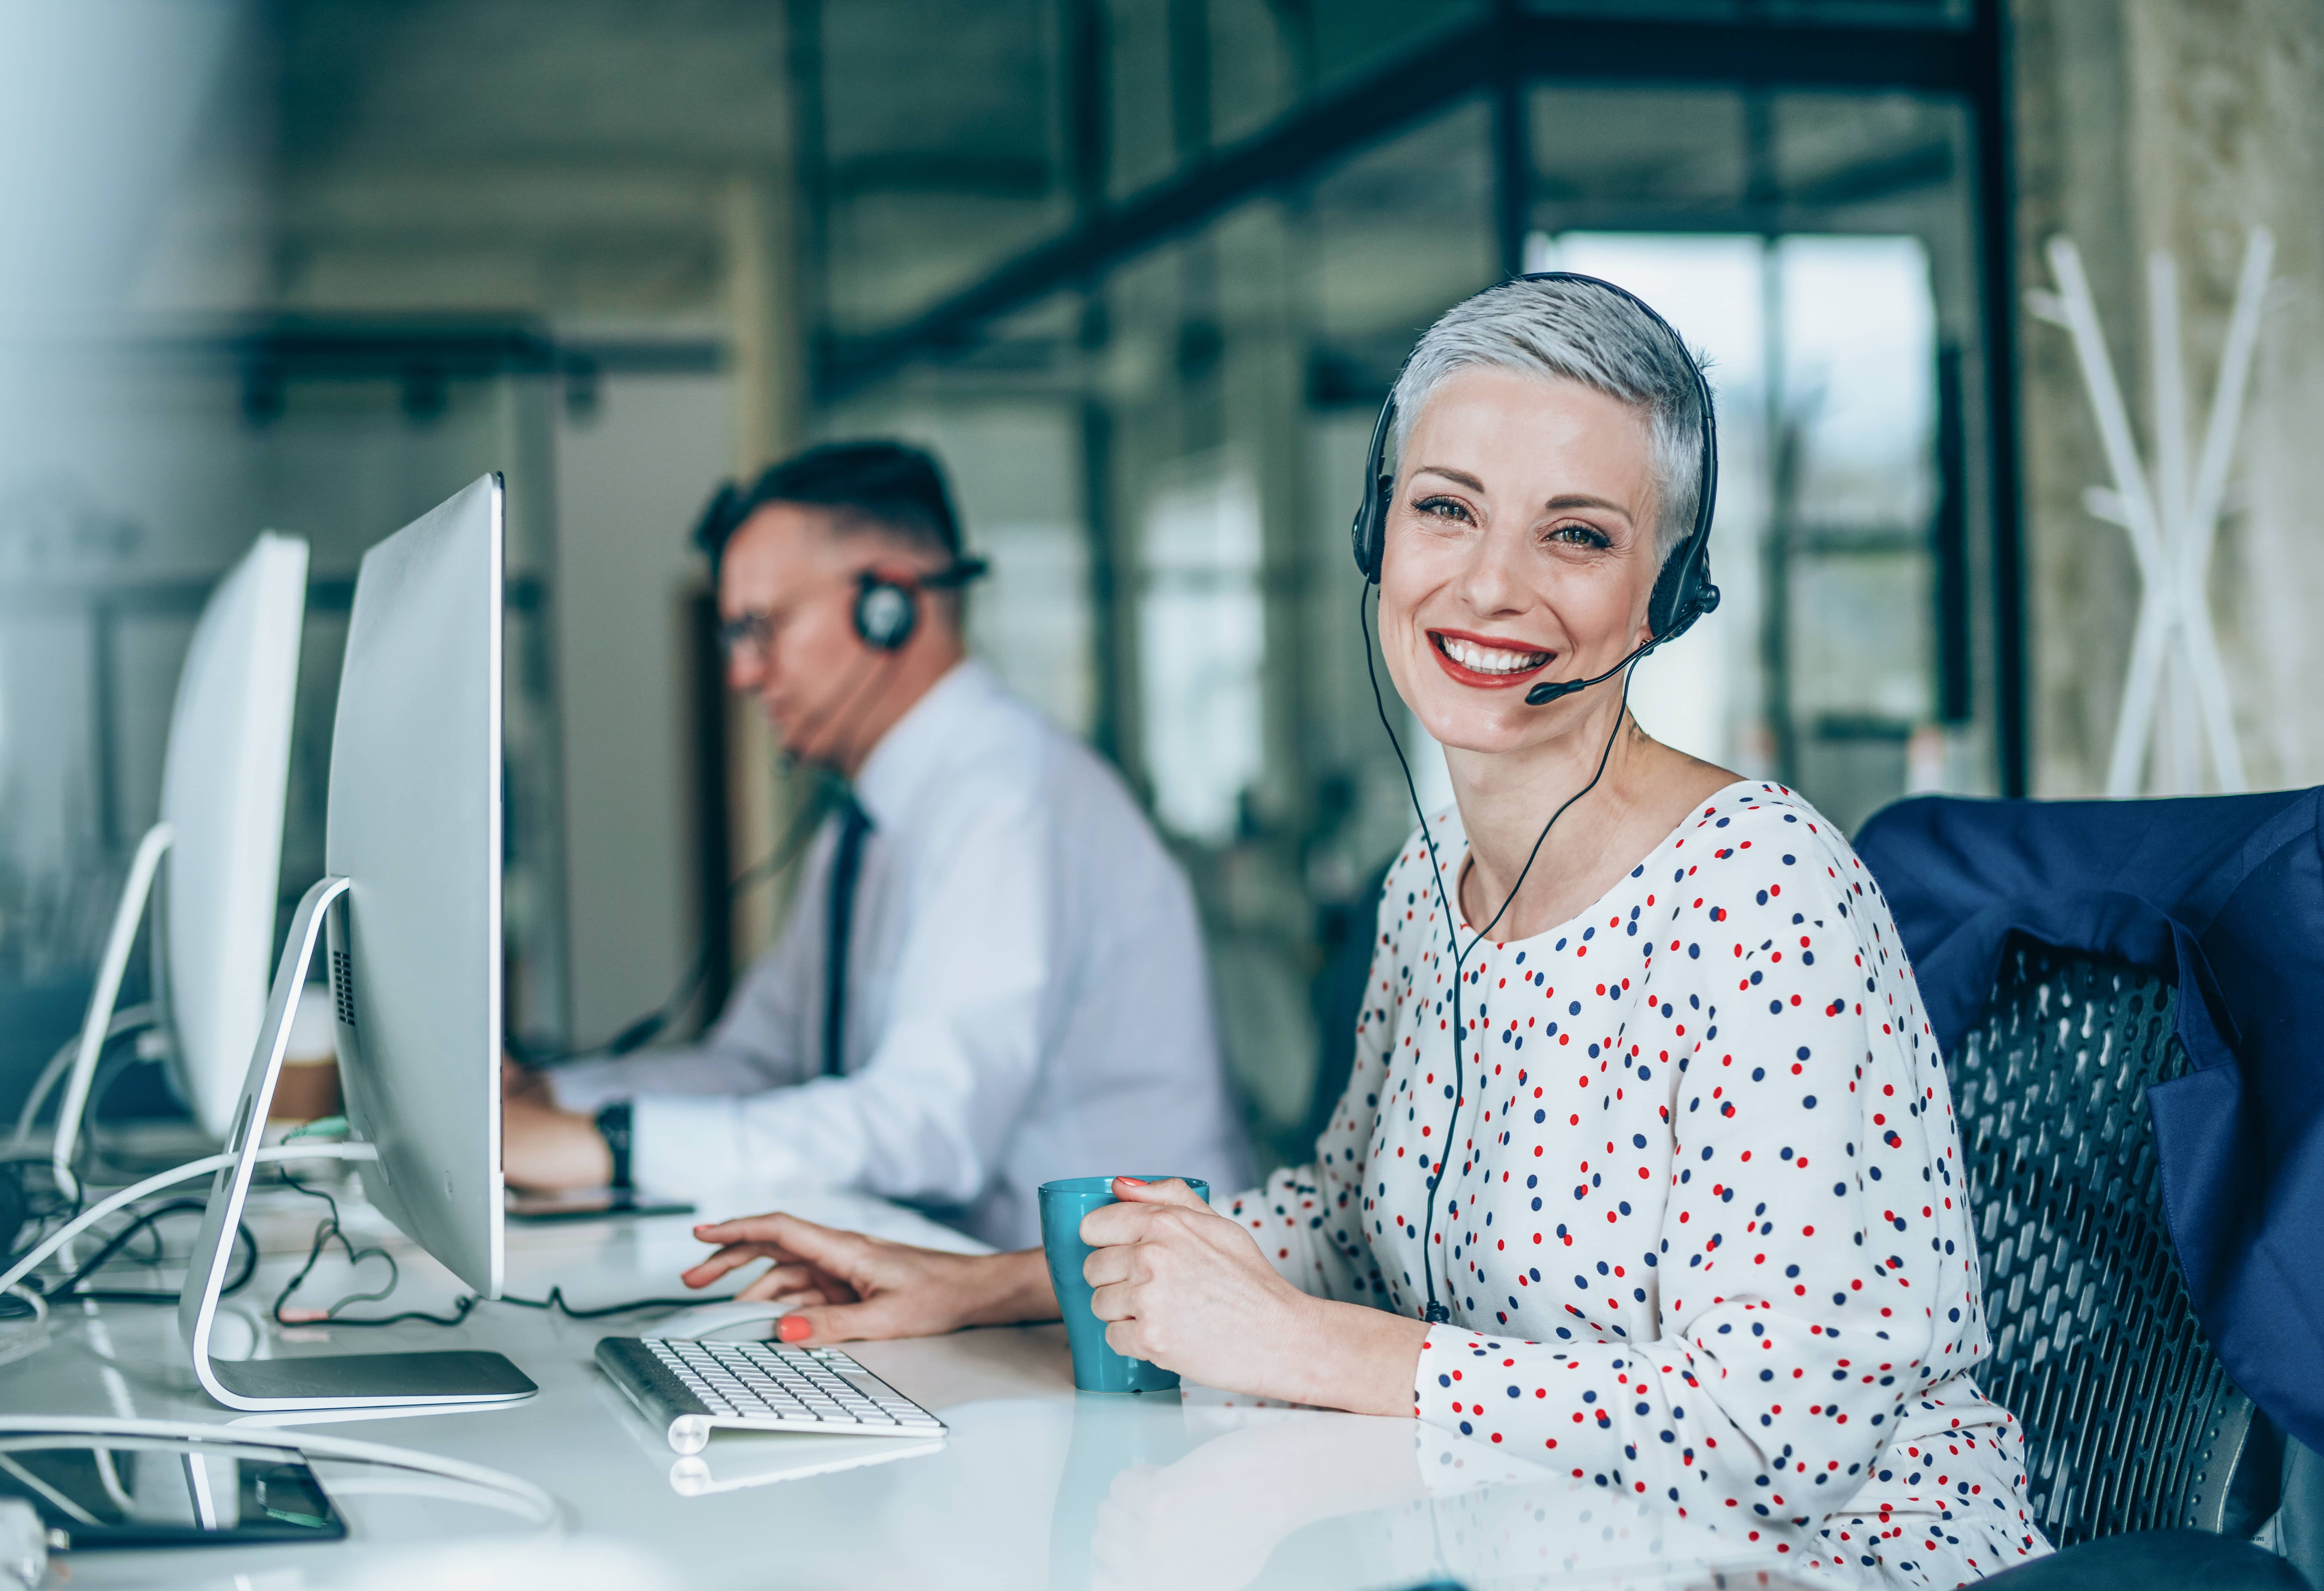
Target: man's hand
[(549, 1150), (1187, 1288), (850, 1288)]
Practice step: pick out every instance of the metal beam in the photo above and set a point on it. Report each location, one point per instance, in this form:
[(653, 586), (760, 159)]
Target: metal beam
[(1990, 96), (1512, 136), (1333, 125)]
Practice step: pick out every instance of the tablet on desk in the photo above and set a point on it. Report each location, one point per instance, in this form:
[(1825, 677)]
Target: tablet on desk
[(591, 1204), (160, 1493)]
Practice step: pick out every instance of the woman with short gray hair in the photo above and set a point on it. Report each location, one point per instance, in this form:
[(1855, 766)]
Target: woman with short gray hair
[(1646, 1170)]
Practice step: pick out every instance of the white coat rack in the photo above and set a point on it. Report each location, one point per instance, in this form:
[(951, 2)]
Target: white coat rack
[(2171, 518)]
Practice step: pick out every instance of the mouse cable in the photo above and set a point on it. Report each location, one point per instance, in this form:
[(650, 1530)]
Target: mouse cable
[(465, 1304), (461, 1307), (542, 1508), (555, 1300)]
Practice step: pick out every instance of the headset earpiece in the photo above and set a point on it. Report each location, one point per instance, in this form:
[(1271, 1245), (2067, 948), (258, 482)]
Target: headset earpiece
[(887, 612), (1369, 532), (1682, 592)]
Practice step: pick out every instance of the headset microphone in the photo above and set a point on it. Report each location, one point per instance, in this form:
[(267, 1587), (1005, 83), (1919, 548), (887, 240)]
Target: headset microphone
[(1549, 691)]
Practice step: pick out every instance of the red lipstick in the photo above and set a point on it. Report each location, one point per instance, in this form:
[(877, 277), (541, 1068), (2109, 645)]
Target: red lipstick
[(1464, 674)]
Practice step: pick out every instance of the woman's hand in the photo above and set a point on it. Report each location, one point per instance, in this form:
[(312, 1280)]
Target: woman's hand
[(1187, 1288), (849, 1288)]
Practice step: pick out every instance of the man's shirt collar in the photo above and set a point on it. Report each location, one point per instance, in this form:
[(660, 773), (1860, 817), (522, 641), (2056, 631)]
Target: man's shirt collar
[(914, 750)]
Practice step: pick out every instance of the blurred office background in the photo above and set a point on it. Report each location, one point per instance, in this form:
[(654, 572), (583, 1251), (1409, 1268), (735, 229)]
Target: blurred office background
[(1140, 271)]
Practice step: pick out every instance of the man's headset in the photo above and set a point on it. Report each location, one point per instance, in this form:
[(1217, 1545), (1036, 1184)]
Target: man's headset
[(1683, 590), (887, 611), (1682, 594)]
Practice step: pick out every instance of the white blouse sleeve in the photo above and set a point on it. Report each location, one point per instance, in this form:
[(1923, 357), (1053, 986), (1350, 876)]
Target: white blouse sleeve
[(1308, 1220), (1807, 1223)]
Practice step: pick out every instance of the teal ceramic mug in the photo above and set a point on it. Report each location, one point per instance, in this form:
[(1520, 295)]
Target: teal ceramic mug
[(1096, 1367)]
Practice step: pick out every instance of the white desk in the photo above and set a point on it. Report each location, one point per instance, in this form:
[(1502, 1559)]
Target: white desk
[(1035, 1486)]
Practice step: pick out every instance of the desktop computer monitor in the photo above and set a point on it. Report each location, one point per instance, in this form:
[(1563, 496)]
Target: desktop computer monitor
[(223, 785), (223, 781), (412, 902), (414, 827)]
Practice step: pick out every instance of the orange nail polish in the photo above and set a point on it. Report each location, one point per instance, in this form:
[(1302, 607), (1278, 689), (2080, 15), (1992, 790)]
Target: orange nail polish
[(793, 1330), (1133, 1182)]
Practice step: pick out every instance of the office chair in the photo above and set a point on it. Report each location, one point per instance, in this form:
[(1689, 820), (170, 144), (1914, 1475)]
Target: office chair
[(2131, 1422)]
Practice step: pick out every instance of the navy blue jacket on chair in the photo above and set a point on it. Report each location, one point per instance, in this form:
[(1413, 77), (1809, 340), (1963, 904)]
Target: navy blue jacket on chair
[(2224, 895)]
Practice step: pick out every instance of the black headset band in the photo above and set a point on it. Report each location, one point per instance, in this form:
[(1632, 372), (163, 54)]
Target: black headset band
[(959, 572)]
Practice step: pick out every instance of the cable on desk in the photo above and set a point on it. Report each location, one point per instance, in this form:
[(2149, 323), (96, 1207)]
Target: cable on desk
[(23, 1264), (73, 1287), (21, 1201), (329, 1228), (555, 1300), (325, 1231)]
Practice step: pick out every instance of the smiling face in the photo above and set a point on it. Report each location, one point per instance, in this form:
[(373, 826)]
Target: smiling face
[(1520, 548)]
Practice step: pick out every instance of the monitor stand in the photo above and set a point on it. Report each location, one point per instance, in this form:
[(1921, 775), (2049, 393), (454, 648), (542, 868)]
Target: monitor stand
[(136, 889), (338, 1380)]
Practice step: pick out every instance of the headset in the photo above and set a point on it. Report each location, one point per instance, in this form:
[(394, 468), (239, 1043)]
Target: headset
[(1682, 594), (887, 609)]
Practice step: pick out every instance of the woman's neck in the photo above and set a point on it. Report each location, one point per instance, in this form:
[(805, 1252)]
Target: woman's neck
[(1505, 798)]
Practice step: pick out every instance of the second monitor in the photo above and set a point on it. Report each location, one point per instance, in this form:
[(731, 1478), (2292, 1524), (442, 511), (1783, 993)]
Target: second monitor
[(413, 905)]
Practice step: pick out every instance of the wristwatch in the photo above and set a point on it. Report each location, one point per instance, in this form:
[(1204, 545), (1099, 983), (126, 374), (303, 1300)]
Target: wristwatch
[(614, 1127)]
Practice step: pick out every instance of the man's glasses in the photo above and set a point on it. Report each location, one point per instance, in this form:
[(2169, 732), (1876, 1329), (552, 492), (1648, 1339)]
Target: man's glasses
[(746, 631)]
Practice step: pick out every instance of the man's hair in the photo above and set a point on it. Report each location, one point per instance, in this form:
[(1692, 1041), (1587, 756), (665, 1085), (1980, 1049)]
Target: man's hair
[(1565, 330), (884, 485)]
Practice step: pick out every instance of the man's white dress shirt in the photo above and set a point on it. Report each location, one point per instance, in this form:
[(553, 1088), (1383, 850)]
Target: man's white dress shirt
[(1025, 999)]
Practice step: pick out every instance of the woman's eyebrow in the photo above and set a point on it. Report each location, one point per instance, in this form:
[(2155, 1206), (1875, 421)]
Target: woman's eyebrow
[(1584, 500), (1460, 477)]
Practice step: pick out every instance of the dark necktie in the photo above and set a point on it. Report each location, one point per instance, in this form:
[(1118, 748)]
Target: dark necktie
[(847, 862)]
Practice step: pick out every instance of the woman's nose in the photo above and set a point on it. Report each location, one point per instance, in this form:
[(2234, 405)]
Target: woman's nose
[(1492, 582)]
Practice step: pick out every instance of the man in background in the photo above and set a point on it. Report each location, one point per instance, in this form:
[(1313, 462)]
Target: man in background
[(991, 976)]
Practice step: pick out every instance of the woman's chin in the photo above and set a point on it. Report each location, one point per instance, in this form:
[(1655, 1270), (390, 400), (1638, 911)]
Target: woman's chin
[(1480, 729)]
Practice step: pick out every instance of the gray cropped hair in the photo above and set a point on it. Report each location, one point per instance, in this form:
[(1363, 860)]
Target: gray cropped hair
[(1572, 331)]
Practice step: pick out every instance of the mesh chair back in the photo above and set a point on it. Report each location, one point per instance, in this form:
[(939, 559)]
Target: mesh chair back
[(2131, 1422)]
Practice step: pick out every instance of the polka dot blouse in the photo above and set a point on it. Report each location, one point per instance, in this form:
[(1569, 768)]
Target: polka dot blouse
[(1703, 1230)]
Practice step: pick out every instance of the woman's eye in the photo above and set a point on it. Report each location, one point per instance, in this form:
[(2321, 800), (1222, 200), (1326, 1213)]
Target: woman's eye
[(1580, 535), (1443, 508)]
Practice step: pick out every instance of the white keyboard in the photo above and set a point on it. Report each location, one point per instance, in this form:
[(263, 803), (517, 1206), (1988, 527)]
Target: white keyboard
[(691, 1388)]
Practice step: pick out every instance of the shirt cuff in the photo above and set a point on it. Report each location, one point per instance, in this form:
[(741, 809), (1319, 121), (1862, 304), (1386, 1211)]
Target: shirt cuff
[(685, 1145), (588, 1086), (1455, 1379)]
